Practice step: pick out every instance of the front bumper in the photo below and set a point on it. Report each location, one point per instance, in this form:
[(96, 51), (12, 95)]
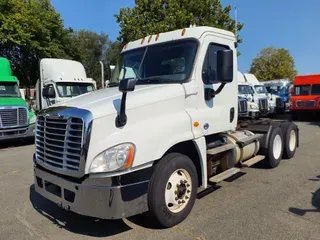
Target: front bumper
[(95, 197), (17, 133)]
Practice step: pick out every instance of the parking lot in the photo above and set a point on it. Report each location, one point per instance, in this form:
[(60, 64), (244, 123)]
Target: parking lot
[(282, 203)]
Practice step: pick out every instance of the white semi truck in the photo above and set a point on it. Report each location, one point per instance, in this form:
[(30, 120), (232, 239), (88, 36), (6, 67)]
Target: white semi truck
[(159, 139), (61, 79), (245, 91), (275, 103)]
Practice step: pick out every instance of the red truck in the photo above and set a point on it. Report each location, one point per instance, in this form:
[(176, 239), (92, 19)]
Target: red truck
[(305, 95)]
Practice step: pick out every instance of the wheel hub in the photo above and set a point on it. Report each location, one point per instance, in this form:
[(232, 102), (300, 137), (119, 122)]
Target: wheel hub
[(178, 190)]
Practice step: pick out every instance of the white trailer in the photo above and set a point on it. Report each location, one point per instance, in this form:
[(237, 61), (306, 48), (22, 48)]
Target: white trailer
[(158, 139), (60, 80)]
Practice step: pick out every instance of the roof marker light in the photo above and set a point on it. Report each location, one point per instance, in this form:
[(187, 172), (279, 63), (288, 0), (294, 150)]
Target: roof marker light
[(142, 41), (150, 38), (183, 32), (157, 37)]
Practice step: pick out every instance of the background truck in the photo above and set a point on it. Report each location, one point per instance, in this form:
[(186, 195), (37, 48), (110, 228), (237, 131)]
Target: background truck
[(306, 95), (16, 120), (280, 88), (274, 102), (246, 91), (60, 80), (159, 139)]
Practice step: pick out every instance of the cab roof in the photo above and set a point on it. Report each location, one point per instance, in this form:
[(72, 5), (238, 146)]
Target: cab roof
[(186, 33), (307, 79)]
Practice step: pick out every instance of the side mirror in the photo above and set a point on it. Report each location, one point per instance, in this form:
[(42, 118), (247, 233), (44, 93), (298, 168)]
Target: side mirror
[(225, 66), (127, 85), (48, 92)]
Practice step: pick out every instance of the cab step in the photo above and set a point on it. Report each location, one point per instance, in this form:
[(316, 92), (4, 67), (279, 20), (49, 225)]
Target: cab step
[(252, 161), (224, 175), (220, 149)]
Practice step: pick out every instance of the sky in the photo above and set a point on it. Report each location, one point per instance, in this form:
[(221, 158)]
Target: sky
[(290, 24)]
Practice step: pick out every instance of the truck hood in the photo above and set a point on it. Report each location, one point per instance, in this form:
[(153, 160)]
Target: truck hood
[(10, 101), (107, 101)]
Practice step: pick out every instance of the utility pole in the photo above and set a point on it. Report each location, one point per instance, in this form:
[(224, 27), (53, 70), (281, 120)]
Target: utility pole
[(102, 74)]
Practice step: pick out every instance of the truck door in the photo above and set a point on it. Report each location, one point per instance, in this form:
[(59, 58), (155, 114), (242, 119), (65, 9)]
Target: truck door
[(219, 113)]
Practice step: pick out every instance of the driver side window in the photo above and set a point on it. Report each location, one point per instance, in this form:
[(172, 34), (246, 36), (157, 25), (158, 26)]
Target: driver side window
[(209, 69)]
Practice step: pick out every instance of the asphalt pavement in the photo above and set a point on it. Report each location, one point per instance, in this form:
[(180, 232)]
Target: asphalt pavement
[(282, 203)]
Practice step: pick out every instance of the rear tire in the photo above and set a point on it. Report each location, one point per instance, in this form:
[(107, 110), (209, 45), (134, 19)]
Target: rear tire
[(172, 189), (275, 148), (290, 140)]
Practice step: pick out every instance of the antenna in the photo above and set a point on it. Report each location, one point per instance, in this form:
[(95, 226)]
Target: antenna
[(236, 23)]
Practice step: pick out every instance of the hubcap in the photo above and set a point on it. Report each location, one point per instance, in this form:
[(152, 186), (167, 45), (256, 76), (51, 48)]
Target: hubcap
[(292, 140), (178, 190), (277, 146)]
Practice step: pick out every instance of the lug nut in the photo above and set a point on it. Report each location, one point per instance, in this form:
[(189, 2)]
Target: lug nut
[(175, 192), (185, 181), (183, 201), (186, 197), (176, 199), (188, 185), (181, 181), (188, 191), (179, 202)]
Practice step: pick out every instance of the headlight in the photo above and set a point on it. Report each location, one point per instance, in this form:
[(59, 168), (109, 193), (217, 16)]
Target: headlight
[(115, 158), (33, 120)]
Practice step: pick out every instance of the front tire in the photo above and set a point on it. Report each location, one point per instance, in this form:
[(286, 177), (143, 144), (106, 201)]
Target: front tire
[(275, 148), (172, 189)]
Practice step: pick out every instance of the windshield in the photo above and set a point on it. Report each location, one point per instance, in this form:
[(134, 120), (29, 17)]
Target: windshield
[(170, 62), (315, 90), (278, 89), (9, 89), (301, 90), (260, 89), (73, 89), (245, 89)]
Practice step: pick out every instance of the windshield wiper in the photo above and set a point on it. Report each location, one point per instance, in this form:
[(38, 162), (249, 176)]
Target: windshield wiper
[(113, 84), (142, 81)]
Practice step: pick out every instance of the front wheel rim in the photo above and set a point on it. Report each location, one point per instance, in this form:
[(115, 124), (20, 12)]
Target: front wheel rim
[(178, 190), (292, 140), (277, 146)]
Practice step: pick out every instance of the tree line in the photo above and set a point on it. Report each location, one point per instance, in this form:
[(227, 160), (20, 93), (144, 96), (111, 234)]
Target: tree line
[(32, 29)]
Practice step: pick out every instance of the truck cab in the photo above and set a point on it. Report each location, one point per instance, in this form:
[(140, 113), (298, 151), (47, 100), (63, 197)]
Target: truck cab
[(60, 80), (16, 119), (246, 91), (306, 94), (166, 131), (279, 88)]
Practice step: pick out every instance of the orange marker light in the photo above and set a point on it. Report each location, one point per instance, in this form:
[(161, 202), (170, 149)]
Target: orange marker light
[(149, 38), (157, 37), (183, 32), (142, 41), (196, 124), (130, 157), (125, 46)]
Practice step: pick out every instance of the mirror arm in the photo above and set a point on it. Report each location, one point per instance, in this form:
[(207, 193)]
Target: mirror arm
[(211, 93), (121, 119)]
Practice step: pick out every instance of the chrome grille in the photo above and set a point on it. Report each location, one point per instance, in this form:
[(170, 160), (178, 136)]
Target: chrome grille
[(59, 142), (23, 116), (242, 106), (279, 102), (13, 117), (311, 103), (263, 104)]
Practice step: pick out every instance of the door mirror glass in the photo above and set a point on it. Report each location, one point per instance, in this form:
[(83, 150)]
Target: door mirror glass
[(48, 92), (225, 66)]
